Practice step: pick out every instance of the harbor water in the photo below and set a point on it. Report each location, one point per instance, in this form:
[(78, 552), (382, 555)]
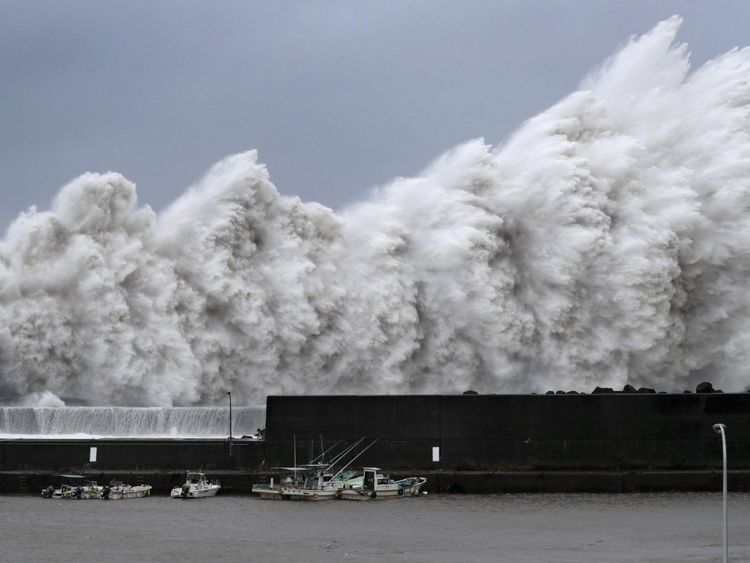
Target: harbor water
[(433, 528)]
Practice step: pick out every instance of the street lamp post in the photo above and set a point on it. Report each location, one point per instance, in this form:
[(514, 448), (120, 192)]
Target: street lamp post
[(720, 429), (230, 422)]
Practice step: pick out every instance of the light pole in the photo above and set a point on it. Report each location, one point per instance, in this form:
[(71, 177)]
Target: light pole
[(230, 422), (720, 429)]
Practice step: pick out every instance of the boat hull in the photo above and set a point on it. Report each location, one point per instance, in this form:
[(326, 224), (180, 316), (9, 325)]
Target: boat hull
[(211, 491), (86, 493), (123, 493), (358, 494), (309, 494), (397, 489), (267, 492)]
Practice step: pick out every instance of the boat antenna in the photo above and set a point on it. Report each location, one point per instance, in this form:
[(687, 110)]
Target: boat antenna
[(355, 457), (322, 452), (346, 451), (333, 447)]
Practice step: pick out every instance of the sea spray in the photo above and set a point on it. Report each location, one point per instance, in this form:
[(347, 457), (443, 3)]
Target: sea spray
[(129, 422), (606, 242)]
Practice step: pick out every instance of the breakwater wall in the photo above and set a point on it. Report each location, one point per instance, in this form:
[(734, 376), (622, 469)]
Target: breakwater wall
[(617, 431), (468, 443), (87, 455)]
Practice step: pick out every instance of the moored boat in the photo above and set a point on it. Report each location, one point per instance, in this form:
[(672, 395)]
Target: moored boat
[(196, 486), (317, 483), (73, 487), (117, 490), (267, 490), (313, 481), (373, 485), (287, 478), (304, 482)]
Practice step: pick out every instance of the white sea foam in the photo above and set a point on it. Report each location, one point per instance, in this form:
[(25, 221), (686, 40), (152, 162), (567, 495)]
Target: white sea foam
[(607, 241), (121, 422)]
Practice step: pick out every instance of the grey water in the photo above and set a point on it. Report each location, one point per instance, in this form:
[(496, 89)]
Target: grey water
[(436, 528)]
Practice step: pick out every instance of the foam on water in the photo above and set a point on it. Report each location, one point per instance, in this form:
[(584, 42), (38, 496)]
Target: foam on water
[(606, 242)]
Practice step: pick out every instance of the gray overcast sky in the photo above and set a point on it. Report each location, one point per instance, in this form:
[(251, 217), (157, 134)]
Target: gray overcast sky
[(337, 96)]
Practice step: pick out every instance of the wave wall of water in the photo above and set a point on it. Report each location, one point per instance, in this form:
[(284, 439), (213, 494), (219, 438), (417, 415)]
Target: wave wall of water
[(606, 242)]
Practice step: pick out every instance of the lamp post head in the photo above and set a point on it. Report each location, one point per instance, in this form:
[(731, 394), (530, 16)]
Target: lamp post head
[(718, 428)]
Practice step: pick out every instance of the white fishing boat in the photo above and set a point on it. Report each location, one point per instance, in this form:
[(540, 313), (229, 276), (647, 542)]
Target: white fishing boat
[(313, 481), (117, 490), (374, 485), (317, 483), (286, 478), (76, 487), (271, 490), (303, 482), (196, 486)]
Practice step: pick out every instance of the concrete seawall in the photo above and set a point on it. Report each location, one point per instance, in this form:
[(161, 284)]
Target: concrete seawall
[(520, 432), (484, 443), (126, 454)]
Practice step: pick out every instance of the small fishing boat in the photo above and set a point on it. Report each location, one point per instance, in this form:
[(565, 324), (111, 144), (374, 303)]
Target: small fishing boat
[(286, 478), (196, 486), (117, 490), (373, 485), (303, 482), (73, 487), (271, 490), (317, 483), (314, 481)]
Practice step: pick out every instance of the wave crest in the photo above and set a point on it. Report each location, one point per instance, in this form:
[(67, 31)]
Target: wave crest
[(604, 243)]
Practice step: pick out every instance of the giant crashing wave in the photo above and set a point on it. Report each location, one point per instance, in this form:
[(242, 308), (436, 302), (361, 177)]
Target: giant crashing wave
[(606, 242)]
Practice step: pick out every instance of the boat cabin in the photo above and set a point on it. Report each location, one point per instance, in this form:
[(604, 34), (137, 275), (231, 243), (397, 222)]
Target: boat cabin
[(195, 477), (372, 479)]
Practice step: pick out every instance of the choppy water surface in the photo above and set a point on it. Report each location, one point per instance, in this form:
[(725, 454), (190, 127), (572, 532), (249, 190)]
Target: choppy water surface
[(440, 528)]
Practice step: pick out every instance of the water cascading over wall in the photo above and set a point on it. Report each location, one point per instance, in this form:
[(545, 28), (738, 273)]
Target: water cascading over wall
[(129, 422), (604, 243)]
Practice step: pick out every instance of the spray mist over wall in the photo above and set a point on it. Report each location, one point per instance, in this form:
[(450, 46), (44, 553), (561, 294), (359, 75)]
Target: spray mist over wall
[(607, 241)]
